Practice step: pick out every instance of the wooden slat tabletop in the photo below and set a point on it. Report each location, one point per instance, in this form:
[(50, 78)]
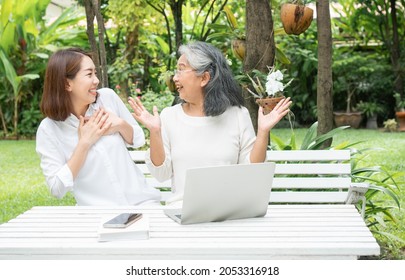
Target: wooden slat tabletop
[(286, 232)]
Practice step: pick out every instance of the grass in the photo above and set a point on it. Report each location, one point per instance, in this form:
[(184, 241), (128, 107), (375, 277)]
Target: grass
[(23, 186)]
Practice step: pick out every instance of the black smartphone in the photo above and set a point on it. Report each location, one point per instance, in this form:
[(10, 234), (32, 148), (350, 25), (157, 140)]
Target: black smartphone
[(123, 220)]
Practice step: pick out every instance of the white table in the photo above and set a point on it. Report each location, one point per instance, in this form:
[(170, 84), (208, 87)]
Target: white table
[(286, 232)]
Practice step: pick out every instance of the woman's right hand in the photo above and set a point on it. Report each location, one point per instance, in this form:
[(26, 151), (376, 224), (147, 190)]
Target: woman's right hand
[(91, 129), (150, 121), (153, 124)]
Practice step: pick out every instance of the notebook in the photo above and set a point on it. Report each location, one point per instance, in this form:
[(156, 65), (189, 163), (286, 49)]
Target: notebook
[(228, 192)]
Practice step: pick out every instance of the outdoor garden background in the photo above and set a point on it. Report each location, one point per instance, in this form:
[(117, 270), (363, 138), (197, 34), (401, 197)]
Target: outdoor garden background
[(139, 43)]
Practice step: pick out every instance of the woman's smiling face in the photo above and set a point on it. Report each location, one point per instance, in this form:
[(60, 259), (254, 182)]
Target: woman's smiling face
[(83, 87), (188, 84)]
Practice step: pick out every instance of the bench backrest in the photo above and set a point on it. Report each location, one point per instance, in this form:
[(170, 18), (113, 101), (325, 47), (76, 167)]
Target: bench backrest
[(301, 176)]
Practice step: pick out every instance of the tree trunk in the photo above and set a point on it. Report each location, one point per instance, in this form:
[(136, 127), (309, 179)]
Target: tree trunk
[(324, 83), (396, 52), (131, 52), (176, 7), (260, 46), (88, 6), (92, 8), (102, 52), (160, 9)]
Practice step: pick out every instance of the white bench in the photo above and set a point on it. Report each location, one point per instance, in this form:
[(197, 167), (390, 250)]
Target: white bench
[(301, 176)]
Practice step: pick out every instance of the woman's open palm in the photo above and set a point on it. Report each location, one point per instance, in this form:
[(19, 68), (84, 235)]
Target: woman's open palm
[(150, 121), (267, 122)]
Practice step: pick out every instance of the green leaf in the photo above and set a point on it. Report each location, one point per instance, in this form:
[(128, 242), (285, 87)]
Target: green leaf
[(8, 36), (41, 55), (388, 192), (10, 71), (29, 76), (6, 11), (163, 45), (309, 136), (318, 141), (219, 35), (231, 18), (279, 31), (293, 144), (218, 27), (279, 142), (390, 236), (281, 57)]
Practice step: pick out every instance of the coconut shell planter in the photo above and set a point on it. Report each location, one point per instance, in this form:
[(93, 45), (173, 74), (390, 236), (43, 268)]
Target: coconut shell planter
[(268, 103), (168, 78), (296, 18), (239, 48)]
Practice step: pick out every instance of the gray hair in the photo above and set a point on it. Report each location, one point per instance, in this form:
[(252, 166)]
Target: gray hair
[(222, 91)]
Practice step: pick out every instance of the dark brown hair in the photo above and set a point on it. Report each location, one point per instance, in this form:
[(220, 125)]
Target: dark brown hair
[(62, 65)]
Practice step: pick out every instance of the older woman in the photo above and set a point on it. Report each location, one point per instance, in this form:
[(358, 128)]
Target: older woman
[(211, 126), (83, 140)]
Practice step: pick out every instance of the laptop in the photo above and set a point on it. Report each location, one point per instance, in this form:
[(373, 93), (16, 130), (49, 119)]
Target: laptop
[(220, 193)]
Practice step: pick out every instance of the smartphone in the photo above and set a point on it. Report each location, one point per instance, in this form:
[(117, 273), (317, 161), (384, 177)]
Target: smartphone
[(123, 220)]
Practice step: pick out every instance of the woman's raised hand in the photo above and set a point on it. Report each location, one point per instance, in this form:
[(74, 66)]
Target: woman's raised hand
[(267, 122), (150, 121)]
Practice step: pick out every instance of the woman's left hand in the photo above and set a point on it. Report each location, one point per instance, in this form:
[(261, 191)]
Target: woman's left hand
[(266, 122), (115, 121)]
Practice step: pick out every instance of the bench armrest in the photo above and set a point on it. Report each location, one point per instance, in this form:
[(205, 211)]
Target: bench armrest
[(357, 192)]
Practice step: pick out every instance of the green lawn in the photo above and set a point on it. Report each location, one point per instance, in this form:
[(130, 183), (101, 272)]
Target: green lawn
[(22, 184)]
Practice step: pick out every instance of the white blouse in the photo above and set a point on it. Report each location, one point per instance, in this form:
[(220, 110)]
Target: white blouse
[(108, 175), (202, 141)]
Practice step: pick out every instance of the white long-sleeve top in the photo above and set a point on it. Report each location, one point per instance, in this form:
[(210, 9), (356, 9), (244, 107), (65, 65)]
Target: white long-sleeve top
[(201, 141), (108, 175)]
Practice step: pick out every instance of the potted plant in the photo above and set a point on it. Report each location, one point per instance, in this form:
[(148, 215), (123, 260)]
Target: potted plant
[(400, 111), (270, 92), (238, 41), (295, 17), (351, 78), (351, 116), (390, 125), (370, 110)]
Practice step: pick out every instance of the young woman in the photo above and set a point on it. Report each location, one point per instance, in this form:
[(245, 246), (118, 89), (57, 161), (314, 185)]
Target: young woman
[(211, 126), (83, 140)]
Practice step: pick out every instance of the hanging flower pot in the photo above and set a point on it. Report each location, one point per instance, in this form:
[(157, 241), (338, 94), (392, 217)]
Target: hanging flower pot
[(167, 78), (268, 103), (170, 83), (296, 18), (237, 35), (270, 92), (239, 48)]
